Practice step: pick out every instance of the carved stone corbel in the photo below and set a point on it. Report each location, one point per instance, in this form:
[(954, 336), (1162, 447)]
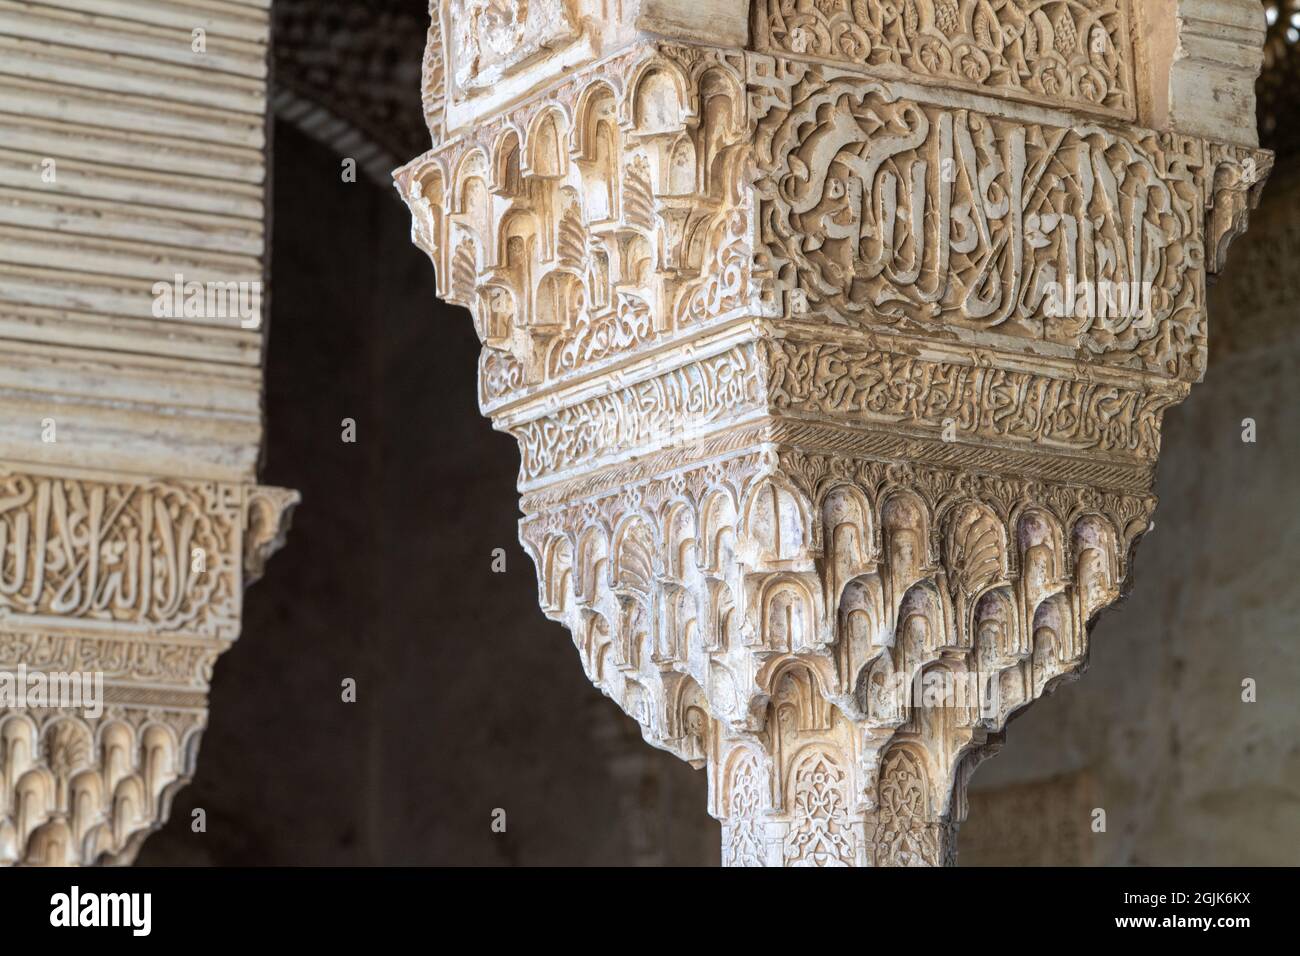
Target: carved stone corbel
[(837, 364), (139, 583)]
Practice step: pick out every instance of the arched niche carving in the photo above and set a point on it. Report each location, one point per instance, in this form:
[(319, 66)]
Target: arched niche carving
[(776, 528), (548, 157), (789, 611)]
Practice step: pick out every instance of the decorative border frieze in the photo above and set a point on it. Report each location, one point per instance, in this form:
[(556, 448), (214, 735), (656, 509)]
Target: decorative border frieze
[(663, 409), (858, 389), (149, 660), (970, 400), (1073, 53)]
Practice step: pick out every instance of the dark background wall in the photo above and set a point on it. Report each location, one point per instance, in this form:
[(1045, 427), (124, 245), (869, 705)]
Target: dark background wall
[(468, 698)]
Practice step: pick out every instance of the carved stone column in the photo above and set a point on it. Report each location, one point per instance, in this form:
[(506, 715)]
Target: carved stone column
[(836, 338), (132, 257)]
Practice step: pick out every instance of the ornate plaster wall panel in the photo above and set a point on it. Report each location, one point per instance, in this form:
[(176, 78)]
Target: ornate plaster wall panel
[(882, 211), (132, 263), (837, 360)]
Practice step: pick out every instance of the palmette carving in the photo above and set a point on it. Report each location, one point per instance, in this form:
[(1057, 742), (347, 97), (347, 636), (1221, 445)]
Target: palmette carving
[(838, 389), (903, 836)]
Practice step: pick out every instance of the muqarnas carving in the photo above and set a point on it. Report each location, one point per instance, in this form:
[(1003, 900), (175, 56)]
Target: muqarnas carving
[(759, 609)]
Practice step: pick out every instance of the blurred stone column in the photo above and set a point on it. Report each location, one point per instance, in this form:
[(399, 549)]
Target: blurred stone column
[(132, 271)]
